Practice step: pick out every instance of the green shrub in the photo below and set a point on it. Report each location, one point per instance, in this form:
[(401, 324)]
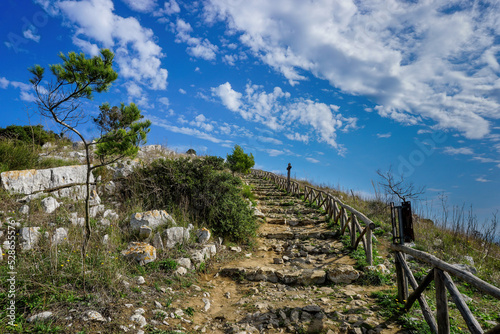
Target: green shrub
[(240, 162), (28, 134), (207, 194)]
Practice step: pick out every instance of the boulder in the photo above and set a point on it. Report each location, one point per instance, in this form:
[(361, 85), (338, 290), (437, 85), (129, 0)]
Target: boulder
[(29, 237), (49, 204), (203, 235), (175, 235), (342, 274), (152, 219), (59, 236), (181, 271), (185, 262), (201, 255), (141, 252)]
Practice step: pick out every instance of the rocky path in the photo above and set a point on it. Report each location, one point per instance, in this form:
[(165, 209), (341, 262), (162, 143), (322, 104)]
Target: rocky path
[(299, 279)]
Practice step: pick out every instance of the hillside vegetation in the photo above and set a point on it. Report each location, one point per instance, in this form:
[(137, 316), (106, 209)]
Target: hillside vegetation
[(203, 192)]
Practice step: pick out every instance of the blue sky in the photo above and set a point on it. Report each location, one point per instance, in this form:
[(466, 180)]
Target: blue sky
[(337, 88)]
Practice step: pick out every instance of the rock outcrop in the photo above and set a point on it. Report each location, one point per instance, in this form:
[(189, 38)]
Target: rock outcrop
[(33, 180)]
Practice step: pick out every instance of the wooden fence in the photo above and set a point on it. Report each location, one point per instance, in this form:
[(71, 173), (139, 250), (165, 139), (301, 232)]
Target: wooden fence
[(348, 217), (340, 212), (443, 282)]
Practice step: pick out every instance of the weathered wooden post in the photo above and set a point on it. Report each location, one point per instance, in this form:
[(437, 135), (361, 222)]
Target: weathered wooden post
[(369, 247), (354, 220), (442, 316), (288, 178)]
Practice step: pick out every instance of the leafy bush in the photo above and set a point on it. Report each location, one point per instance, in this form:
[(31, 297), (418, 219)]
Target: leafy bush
[(239, 161), (207, 194), (29, 134)]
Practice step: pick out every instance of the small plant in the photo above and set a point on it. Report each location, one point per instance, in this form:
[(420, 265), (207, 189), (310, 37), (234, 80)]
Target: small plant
[(136, 289), (189, 311)]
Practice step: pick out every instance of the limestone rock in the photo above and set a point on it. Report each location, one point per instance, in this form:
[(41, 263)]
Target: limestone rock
[(203, 235), (203, 254), (175, 235), (24, 210), (466, 267), (152, 219), (343, 274), (95, 316), (157, 242), (104, 222), (29, 237), (257, 213), (181, 271), (185, 262), (145, 232), (60, 235), (207, 305), (75, 221), (31, 180), (111, 215), (140, 252), (310, 277), (95, 210), (50, 204), (40, 317)]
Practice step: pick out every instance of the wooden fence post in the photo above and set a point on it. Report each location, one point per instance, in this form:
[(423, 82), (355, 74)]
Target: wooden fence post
[(401, 279), (442, 316), (369, 247), (354, 220)]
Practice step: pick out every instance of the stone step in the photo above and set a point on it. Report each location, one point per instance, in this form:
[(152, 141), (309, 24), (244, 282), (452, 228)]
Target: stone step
[(270, 196), (297, 210), (290, 235), (340, 274), (305, 249), (292, 221)]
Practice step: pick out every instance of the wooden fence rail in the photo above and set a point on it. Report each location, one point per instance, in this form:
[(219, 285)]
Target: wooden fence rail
[(348, 217), (440, 274)]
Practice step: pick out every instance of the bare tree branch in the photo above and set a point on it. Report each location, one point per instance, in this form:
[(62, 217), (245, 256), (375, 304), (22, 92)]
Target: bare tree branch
[(399, 186)]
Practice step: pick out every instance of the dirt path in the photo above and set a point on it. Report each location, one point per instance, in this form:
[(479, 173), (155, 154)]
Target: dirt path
[(299, 279)]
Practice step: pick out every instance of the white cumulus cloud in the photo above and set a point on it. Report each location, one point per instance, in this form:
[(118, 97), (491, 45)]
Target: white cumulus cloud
[(198, 47), (136, 52), (422, 62), (143, 6), (279, 111)]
